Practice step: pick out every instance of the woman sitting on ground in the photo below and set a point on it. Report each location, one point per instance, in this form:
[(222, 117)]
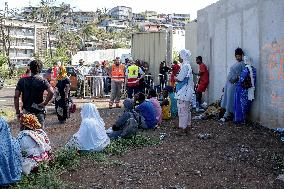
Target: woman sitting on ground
[(127, 124), (10, 156), (91, 135), (146, 110), (35, 145)]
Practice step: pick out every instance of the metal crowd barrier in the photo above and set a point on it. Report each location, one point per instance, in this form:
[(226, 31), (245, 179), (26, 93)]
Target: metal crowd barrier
[(100, 86)]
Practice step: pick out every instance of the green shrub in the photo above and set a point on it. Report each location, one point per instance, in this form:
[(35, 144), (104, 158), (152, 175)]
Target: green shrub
[(119, 146), (66, 158), (7, 113), (4, 68), (48, 175)]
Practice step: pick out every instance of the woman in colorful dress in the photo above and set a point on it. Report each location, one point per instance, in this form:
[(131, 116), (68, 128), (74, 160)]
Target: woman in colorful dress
[(244, 94), (91, 135), (62, 96), (35, 144), (174, 109), (166, 106), (184, 90), (10, 156)]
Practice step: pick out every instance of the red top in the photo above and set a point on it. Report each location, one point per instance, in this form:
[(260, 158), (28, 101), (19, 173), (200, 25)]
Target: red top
[(25, 75), (55, 68), (203, 78), (175, 70)]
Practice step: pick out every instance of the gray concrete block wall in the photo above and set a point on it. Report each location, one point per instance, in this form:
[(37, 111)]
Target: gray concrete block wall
[(257, 26), (191, 44)]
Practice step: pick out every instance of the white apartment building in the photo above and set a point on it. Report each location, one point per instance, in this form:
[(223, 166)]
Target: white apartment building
[(121, 13), (83, 17), (27, 39), (179, 17)]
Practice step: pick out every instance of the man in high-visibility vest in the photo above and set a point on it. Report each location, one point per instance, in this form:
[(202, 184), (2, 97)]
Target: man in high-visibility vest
[(117, 78), (133, 73)]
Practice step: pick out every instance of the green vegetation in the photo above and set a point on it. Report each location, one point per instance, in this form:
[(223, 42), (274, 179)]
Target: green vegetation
[(7, 113), (4, 68), (175, 56), (48, 175), (59, 55)]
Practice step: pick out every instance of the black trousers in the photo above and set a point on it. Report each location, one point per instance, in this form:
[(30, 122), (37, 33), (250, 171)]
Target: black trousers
[(198, 98)]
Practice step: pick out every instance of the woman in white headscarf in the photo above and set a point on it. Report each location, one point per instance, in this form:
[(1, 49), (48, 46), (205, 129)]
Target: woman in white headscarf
[(91, 135), (244, 92), (184, 90)]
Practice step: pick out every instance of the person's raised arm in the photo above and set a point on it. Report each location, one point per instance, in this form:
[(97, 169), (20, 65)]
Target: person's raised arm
[(49, 96)]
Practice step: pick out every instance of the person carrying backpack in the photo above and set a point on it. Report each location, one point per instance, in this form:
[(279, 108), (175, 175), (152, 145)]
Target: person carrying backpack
[(127, 124)]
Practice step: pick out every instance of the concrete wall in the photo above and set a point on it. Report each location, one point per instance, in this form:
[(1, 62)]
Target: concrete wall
[(152, 47), (191, 44), (258, 27)]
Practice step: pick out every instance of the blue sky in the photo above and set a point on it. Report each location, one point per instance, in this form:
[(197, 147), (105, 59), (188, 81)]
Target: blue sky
[(162, 6)]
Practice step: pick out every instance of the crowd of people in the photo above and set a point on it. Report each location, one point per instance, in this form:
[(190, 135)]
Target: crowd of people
[(142, 109)]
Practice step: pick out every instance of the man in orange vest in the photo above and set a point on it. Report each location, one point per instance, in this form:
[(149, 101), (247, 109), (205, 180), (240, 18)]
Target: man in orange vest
[(117, 79)]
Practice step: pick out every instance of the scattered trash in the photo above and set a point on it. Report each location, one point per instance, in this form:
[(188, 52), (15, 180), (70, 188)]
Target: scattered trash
[(199, 110), (244, 149), (109, 130), (280, 130), (197, 172), (199, 117), (223, 120), (281, 177), (162, 136), (204, 105), (204, 136)]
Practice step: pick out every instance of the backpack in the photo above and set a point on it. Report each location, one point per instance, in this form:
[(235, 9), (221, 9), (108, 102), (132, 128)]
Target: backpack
[(246, 84), (131, 127)]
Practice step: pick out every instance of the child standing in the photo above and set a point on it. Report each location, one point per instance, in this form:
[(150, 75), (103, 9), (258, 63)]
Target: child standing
[(174, 110), (166, 106)]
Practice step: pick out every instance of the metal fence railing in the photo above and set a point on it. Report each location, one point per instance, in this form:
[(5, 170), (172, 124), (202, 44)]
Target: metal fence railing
[(100, 86)]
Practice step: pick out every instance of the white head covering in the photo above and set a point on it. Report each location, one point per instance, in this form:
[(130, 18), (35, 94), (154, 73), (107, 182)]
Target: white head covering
[(185, 56), (248, 61), (92, 134), (59, 63)]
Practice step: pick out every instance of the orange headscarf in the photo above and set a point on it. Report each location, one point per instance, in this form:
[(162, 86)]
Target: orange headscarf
[(30, 121), (62, 73)]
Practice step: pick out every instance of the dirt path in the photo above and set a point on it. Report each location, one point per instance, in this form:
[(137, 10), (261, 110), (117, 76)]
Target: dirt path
[(243, 156)]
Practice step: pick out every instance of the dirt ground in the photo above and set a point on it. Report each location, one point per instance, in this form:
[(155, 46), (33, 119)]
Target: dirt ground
[(235, 156)]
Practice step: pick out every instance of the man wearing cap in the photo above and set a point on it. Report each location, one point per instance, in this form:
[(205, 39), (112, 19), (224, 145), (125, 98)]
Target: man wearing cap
[(81, 72), (117, 79)]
